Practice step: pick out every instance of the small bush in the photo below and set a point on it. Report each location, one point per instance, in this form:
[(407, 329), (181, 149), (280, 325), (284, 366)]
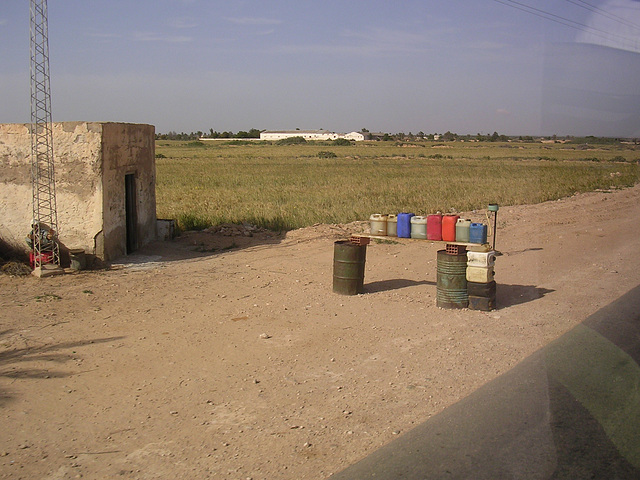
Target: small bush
[(196, 144), (237, 142), (159, 155), (191, 221), (326, 154), (291, 141), (276, 223), (341, 142)]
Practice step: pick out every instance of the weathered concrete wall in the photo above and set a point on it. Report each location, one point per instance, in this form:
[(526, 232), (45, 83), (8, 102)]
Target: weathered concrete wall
[(128, 149), (78, 159), (91, 160)]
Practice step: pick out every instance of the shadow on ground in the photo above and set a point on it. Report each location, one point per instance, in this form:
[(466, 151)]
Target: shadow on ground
[(37, 361), (570, 411), (394, 284), (508, 295), (194, 245)]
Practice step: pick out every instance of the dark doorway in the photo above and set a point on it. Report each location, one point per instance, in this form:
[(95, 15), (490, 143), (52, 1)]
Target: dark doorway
[(131, 212)]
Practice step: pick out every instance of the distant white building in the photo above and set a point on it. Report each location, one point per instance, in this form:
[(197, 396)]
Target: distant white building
[(357, 136), (310, 135)]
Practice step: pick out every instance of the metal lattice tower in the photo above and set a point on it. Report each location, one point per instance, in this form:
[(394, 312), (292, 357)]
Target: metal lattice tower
[(42, 168)]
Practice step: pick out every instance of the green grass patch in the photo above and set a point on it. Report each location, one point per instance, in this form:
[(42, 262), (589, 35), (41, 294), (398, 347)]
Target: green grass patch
[(47, 297), (192, 221), (291, 141)]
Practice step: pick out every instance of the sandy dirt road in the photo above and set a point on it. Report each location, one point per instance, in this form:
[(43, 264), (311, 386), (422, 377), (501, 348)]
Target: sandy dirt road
[(192, 360)]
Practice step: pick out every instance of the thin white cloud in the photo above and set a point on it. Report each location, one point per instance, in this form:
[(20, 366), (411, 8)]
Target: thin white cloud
[(385, 36), (146, 36), (368, 42), (184, 22), (253, 21), (178, 39), (265, 32), (376, 41), (320, 49), (503, 111), (105, 35), (487, 45), (156, 37)]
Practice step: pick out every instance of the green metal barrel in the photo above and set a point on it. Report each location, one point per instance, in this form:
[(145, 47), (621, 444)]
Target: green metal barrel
[(348, 267), (451, 287)]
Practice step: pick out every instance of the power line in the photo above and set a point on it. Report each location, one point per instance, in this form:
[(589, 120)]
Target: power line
[(545, 14), (604, 13), (542, 14), (565, 21)]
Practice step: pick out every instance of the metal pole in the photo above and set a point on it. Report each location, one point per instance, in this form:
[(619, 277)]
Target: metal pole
[(495, 223), (42, 162)]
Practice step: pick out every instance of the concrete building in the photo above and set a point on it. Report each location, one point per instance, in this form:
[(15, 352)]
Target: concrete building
[(309, 135), (356, 136), (105, 186)]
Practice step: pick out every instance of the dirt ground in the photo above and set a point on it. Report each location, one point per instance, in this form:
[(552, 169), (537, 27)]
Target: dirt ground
[(220, 355)]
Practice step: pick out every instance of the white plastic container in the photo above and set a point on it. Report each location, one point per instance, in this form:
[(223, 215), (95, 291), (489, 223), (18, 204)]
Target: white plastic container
[(481, 259), (378, 224), (480, 274), (419, 227), (392, 225), (462, 230)]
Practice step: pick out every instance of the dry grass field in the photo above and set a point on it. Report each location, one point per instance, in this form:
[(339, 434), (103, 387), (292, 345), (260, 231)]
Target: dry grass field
[(282, 187)]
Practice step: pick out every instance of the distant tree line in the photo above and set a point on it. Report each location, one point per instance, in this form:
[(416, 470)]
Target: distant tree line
[(600, 140), (252, 133), (407, 137), (445, 137), (497, 137)]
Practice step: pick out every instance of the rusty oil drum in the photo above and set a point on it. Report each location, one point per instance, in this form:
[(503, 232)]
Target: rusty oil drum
[(451, 287), (348, 267)]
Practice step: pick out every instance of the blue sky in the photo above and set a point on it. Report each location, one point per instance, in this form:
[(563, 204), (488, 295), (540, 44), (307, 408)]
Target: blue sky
[(467, 66)]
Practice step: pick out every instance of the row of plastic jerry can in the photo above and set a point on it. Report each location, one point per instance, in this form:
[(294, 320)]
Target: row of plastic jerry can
[(438, 227), (480, 266)]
